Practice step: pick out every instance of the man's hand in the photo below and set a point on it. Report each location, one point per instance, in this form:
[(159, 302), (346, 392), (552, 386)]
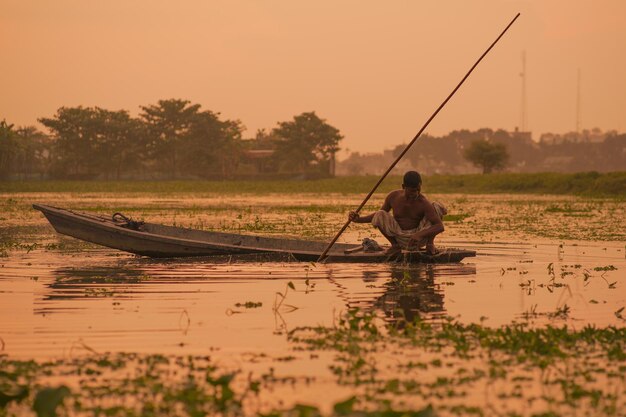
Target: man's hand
[(417, 241), (354, 216), (417, 237)]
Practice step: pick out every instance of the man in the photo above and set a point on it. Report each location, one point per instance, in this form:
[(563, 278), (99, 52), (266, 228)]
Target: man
[(415, 221)]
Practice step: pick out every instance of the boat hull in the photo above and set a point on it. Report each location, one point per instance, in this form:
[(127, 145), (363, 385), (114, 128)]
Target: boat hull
[(159, 241), (114, 236)]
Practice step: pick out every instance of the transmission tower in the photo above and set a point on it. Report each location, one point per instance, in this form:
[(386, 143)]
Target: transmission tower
[(578, 98), (523, 116)]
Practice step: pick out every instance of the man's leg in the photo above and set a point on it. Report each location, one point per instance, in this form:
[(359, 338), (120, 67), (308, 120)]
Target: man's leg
[(390, 238), (430, 246), (389, 228), (395, 246), (430, 243)]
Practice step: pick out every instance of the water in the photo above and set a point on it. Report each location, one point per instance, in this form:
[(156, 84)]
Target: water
[(544, 261), (54, 302)]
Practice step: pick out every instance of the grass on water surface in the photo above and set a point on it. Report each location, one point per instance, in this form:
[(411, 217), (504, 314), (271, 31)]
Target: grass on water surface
[(447, 363), (441, 364), (611, 184)]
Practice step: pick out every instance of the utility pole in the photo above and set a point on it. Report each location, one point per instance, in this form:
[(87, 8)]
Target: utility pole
[(523, 116), (578, 114)]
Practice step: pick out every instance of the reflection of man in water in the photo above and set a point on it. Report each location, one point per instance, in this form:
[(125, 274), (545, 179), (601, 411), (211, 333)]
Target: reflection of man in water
[(415, 221), (411, 292)]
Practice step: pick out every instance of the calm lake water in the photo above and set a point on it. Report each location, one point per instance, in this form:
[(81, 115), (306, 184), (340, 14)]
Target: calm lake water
[(54, 302), (63, 301)]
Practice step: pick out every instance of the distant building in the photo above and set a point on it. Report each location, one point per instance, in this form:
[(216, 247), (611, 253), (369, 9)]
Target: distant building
[(259, 158), (525, 137), (594, 135), (364, 164), (557, 163)]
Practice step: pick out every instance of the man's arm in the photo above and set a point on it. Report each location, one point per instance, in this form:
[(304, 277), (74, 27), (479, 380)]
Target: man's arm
[(353, 216), (435, 221), (387, 203)]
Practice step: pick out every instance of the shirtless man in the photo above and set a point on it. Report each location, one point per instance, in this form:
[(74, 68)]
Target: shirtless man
[(415, 221)]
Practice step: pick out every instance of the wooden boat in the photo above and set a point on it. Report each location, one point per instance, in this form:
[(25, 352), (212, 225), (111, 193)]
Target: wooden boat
[(160, 241)]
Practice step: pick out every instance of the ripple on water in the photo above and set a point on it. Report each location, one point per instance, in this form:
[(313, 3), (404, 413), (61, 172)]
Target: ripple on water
[(117, 302)]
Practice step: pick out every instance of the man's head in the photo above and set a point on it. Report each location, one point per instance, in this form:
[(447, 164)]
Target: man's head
[(412, 185)]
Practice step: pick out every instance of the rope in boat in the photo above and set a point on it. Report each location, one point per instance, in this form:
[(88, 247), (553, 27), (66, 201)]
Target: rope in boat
[(128, 222)]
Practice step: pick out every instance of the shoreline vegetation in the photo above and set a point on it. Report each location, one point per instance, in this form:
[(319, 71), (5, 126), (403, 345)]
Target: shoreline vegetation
[(591, 184)]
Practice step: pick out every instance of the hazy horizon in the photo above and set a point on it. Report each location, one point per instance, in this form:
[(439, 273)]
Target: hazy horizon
[(374, 70)]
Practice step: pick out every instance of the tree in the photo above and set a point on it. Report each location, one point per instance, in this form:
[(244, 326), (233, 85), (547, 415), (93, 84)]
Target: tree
[(211, 147), (118, 146), (188, 141), (33, 156), (486, 155), (8, 149), (307, 143), (74, 151), (167, 125), (90, 141)]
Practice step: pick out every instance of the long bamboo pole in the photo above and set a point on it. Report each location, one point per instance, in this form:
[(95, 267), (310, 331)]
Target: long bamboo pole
[(345, 226)]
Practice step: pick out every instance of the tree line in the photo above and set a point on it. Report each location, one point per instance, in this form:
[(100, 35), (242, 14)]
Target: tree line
[(493, 150), (171, 139), (488, 150)]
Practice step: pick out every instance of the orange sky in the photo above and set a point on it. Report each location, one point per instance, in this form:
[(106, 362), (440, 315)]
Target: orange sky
[(374, 69)]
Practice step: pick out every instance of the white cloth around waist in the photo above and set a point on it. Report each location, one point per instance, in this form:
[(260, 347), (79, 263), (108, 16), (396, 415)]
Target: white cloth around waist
[(388, 225)]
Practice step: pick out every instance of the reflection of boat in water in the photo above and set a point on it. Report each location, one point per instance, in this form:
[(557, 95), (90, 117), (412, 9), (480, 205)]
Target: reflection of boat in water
[(395, 292), (160, 241)]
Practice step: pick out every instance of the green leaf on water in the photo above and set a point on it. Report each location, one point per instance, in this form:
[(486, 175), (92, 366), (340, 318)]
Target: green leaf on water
[(306, 411), (18, 394), (344, 407), (427, 411), (48, 399)]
